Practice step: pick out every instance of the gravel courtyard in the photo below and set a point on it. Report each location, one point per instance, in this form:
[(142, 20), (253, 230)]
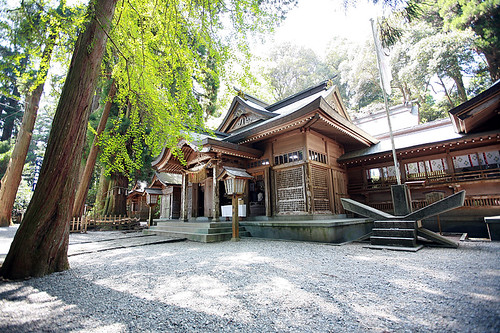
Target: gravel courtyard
[(262, 286)]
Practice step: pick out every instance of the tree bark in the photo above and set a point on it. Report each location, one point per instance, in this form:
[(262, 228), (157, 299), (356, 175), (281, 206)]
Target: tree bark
[(117, 195), (446, 92), (100, 199), (41, 244), (83, 187), (9, 120), (459, 82), (12, 177)]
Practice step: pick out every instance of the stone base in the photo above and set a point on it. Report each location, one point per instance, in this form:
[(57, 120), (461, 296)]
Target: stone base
[(325, 231), (493, 225)]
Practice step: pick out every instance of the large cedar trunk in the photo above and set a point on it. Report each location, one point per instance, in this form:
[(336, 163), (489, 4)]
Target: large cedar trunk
[(12, 177), (83, 187), (41, 244), (117, 195)]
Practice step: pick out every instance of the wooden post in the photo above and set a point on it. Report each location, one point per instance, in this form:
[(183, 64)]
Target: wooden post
[(236, 227), (267, 192), (215, 194), (150, 220), (184, 198)]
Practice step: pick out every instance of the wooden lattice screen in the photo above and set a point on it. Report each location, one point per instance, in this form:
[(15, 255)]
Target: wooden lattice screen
[(319, 179), (290, 191)]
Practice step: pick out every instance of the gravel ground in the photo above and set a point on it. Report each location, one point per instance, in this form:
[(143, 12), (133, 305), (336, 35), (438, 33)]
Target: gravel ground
[(262, 286)]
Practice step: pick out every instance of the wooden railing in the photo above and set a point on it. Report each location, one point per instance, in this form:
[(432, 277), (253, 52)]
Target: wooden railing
[(431, 178), (82, 224), (472, 201)]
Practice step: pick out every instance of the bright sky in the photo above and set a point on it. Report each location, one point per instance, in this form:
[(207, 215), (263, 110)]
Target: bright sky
[(313, 23)]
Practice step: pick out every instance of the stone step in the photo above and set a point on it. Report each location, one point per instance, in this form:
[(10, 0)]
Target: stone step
[(394, 232), (197, 224), (400, 224), (398, 241), (197, 237), (193, 229)]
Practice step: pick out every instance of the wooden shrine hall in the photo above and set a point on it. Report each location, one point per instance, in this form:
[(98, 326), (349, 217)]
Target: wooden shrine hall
[(290, 148), (304, 154)]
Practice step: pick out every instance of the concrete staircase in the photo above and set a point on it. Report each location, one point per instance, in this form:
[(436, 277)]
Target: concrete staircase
[(394, 233), (205, 232)]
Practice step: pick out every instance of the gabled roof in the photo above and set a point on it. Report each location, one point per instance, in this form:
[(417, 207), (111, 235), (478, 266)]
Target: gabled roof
[(319, 108), (242, 113), (166, 178)]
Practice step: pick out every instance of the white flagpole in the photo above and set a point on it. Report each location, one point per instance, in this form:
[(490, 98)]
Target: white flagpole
[(384, 85)]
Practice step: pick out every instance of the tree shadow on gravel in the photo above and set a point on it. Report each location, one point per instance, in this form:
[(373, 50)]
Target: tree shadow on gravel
[(81, 307), (256, 290)]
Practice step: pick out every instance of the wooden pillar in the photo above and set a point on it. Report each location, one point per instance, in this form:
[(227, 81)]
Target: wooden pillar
[(184, 198), (215, 193), (236, 225), (246, 196), (449, 162), (308, 188), (267, 192), (402, 167)]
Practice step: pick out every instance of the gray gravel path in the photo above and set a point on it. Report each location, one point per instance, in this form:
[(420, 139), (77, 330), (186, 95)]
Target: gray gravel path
[(262, 286)]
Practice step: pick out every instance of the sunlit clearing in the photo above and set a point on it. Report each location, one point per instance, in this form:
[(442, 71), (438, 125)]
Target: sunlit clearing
[(418, 286), (485, 297)]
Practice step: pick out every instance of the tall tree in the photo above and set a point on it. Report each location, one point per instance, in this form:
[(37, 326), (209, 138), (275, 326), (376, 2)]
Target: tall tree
[(482, 17), (41, 243), (85, 178), (158, 61), (35, 21), (10, 181)]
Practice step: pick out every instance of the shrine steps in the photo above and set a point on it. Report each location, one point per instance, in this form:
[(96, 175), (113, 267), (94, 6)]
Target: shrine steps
[(394, 233), (205, 232)]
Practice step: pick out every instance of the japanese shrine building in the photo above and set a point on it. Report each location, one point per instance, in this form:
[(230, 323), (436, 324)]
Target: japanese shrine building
[(290, 148), (305, 153)]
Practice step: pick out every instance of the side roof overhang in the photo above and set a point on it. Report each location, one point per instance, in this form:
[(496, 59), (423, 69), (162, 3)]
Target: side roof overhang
[(208, 148), (479, 113)]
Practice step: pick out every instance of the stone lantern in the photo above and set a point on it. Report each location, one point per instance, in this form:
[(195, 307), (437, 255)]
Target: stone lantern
[(234, 181)]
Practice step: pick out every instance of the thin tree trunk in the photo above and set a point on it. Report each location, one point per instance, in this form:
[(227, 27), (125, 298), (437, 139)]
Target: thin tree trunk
[(83, 187), (41, 244), (100, 199), (462, 94), (446, 92), (12, 177)]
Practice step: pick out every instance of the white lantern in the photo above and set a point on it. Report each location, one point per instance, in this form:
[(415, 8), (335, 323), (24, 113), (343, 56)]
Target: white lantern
[(234, 180)]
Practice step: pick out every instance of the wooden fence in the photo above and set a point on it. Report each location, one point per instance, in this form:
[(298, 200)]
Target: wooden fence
[(82, 224)]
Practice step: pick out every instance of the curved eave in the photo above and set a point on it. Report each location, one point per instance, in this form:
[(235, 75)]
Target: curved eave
[(329, 123)]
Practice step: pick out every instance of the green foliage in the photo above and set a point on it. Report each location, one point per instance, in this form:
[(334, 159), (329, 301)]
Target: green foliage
[(5, 152), (24, 191), (356, 65), (482, 17), (167, 59), (430, 110)]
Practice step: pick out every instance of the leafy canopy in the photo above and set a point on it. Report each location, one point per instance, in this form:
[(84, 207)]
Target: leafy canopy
[(161, 54)]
